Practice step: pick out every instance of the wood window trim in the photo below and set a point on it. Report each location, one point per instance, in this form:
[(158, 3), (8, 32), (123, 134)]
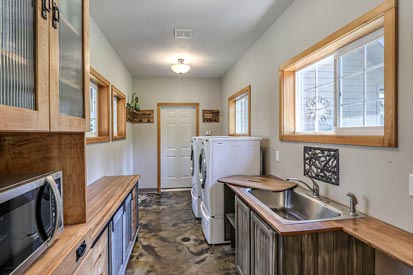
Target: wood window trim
[(383, 16), (158, 124), (104, 100), (232, 118), (121, 114)]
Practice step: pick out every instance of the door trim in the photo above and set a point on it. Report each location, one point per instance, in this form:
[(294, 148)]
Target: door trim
[(158, 114)]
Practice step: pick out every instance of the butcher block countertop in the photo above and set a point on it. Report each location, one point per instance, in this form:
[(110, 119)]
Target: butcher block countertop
[(388, 239), (103, 199)]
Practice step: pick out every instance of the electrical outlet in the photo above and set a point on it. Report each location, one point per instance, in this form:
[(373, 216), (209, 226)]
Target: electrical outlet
[(411, 185), (277, 156)]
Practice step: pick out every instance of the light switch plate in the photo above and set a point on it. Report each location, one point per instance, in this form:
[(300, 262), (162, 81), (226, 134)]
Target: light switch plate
[(277, 156), (411, 185)]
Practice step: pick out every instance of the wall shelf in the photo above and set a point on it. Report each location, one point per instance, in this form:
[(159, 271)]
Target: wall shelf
[(209, 116), (142, 116)]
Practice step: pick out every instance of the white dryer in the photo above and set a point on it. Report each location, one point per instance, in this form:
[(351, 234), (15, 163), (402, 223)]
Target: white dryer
[(221, 158), (195, 169)]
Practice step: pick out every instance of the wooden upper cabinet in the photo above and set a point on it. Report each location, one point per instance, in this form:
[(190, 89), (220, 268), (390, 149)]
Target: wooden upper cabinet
[(69, 66), (44, 63), (24, 78)]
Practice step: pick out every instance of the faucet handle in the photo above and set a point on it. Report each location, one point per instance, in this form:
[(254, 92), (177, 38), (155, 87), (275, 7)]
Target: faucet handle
[(353, 202)]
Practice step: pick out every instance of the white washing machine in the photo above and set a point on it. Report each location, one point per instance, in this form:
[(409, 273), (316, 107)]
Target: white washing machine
[(195, 168), (221, 158)]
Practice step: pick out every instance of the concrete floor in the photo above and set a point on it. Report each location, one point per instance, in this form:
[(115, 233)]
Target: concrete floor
[(171, 240)]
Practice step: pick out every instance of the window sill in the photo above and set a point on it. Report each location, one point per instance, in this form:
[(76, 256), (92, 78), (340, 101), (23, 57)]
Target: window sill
[(115, 138), (91, 140), (373, 141)]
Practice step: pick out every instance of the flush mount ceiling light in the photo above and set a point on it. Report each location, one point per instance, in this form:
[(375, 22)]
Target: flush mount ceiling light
[(180, 68)]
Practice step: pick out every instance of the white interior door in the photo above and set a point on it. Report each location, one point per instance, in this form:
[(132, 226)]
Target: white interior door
[(178, 126)]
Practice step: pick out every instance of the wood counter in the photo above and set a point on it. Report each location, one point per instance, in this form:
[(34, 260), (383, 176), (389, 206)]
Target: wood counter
[(392, 241), (103, 198)]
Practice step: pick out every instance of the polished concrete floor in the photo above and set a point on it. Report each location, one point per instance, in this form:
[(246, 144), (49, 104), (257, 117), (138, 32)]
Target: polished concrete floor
[(171, 240)]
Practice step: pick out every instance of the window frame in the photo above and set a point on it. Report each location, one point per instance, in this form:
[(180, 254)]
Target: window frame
[(383, 16), (103, 108), (121, 114), (232, 116)]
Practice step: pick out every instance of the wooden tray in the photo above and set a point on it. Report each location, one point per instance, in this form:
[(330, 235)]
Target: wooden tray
[(259, 182)]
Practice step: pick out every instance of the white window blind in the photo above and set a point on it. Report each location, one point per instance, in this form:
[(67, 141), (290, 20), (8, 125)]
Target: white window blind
[(93, 110), (241, 114), (115, 116)]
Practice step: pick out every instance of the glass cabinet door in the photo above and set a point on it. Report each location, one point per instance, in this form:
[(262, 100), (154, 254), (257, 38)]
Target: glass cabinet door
[(23, 65), (71, 58), (69, 72)]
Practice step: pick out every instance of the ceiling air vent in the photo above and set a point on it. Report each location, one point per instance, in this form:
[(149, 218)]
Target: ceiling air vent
[(183, 33)]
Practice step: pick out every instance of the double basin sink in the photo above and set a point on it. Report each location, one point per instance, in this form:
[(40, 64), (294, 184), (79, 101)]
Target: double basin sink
[(296, 205)]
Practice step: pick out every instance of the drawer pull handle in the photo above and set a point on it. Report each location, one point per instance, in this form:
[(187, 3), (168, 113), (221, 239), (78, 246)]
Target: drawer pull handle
[(80, 251)]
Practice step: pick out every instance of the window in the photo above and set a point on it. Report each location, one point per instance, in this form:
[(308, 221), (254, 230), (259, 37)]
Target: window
[(343, 89), (239, 113), (99, 109), (118, 114), (351, 79), (93, 110)]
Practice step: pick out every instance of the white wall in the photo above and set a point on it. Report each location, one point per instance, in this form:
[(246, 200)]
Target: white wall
[(115, 157), (379, 177), (205, 91)]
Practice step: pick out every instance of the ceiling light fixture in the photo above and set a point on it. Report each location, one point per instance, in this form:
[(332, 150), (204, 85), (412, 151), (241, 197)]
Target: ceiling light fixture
[(180, 68)]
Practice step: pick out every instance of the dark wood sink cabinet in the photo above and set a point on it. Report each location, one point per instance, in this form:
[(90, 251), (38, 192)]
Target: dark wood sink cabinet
[(260, 249)]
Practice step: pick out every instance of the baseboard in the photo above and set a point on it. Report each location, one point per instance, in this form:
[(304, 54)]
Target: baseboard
[(148, 190), (175, 189)]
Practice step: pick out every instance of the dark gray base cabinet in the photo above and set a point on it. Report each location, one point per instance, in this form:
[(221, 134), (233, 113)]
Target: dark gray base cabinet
[(120, 237), (242, 221), (263, 247), (261, 251)]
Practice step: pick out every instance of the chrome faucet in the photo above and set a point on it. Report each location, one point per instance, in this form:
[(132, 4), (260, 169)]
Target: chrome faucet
[(353, 203), (315, 189)]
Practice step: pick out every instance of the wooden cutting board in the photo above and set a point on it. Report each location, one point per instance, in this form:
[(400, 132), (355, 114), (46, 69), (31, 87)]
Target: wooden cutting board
[(259, 182)]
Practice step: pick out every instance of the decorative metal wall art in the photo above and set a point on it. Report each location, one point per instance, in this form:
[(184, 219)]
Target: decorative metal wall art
[(322, 164)]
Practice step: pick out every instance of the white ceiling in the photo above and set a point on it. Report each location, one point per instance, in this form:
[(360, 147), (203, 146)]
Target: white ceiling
[(142, 32)]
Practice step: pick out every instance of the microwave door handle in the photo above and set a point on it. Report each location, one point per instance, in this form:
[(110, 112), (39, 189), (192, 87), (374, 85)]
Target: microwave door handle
[(59, 206)]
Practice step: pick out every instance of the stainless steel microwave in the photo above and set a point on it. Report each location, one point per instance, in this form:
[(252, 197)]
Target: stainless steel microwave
[(31, 218)]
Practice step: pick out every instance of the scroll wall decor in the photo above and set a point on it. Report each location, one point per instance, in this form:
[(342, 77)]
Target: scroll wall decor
[(322, 164)]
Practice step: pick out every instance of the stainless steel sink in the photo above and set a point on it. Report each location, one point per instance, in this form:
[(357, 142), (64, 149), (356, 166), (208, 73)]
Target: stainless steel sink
[(298, 206)]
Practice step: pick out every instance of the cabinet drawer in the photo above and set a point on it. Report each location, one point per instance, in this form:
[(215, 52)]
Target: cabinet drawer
[(101, 265), (86, 267), (100, 254), (75, 259)]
